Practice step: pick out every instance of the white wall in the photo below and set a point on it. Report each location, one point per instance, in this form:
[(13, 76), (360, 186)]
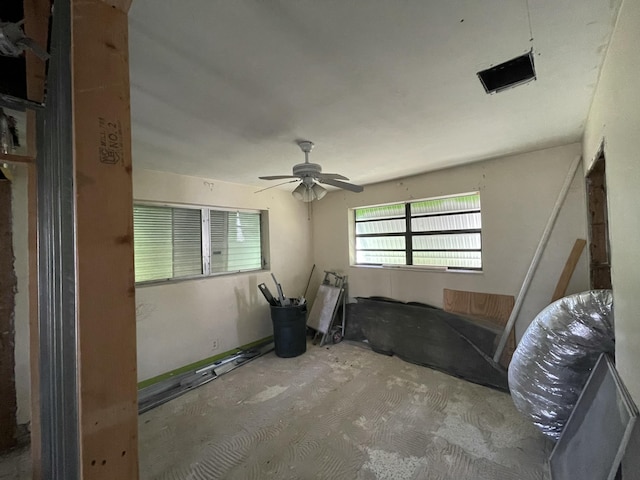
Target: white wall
[(179, 322), (615, 117), (517, 194), (19, 207)]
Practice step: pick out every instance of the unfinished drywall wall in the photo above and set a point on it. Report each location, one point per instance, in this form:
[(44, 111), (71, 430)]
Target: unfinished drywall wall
[(186, 321), (517, 195), (615, 118), (19, 208)]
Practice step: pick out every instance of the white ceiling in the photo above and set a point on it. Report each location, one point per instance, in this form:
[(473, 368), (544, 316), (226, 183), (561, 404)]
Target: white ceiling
[(385, 88)]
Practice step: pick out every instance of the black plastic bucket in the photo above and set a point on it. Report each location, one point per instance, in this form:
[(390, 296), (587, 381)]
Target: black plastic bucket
[(289, 330)]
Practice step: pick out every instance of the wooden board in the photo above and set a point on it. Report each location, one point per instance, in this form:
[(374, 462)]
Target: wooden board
[(34, 340), (104, 242), (37, 14), (36, 26), (324, 308), (488, 309), (8, 405), (599, 252), (494, 308), (10, 158), (569, 267), (123, 5)]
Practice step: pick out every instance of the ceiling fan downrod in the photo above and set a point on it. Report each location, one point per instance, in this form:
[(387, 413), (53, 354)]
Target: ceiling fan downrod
[(306, 146)]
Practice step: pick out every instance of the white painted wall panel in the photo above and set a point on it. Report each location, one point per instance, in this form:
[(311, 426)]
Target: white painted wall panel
[(517, 196), (615, 117), (179, 322)]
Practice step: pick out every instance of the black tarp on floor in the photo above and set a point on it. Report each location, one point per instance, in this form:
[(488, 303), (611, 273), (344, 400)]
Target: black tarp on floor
[(428, 336)]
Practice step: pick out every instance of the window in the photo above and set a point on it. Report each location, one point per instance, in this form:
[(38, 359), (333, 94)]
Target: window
[(178, 242), (437, 232)]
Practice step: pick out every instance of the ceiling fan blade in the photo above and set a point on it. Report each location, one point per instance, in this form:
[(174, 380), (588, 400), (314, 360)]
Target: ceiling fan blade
[(337, 183), (277, 185), (277, 177), (331, 176)]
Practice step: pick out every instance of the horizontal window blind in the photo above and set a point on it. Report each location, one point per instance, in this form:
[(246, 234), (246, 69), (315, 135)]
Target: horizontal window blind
[(169, 242), (187, 242), (152, 243), (436, 232), (235, 241)]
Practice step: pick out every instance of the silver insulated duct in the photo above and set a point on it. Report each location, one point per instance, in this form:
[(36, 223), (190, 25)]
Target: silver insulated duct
[(556, 355)]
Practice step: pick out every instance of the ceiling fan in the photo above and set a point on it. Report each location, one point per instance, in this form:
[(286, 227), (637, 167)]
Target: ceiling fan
[(311, 176)]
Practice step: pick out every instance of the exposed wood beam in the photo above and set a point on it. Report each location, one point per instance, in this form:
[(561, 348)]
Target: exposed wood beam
[(37, 15), (36, 26), (7, 329), (34, 337), (10, 158), (105, 288), (122, 5)]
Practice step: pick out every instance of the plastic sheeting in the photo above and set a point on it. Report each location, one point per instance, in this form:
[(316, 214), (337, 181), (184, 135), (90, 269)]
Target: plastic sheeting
[(556, 355), (428, 336)]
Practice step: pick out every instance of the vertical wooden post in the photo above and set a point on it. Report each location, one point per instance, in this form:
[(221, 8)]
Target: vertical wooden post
[(7, 328), (34, 343), (36, 24), (107, 379)]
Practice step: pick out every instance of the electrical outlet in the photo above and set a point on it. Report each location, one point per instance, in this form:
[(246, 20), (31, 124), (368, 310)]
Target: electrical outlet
[(215, 344)]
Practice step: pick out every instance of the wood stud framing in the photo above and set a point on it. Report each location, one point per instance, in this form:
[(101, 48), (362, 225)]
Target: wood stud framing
[(104, 241), (600, 265), (105, 310)]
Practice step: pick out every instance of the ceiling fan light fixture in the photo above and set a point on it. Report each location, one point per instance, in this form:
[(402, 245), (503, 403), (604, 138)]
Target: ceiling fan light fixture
[(307, 193), (319, 191), (300, 192)]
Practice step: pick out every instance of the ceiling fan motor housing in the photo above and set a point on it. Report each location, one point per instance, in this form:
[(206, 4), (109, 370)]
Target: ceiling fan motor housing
[(306, 169)]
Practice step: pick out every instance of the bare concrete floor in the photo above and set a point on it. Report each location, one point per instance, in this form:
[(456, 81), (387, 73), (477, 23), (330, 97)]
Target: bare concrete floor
[(341, 412)]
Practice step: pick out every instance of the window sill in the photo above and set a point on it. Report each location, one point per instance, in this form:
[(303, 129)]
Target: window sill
[(169, 281), (420, 268)]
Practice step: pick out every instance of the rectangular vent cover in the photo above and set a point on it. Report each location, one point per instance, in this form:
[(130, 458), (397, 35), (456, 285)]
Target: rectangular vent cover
[(513, 72)]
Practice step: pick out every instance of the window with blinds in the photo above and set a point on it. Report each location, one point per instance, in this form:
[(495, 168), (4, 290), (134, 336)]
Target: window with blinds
[(235, 241), (173, 242), (437, 232)]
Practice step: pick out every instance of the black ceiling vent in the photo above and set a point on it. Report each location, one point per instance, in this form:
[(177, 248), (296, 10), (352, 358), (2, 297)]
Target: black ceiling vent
[(513, 72)]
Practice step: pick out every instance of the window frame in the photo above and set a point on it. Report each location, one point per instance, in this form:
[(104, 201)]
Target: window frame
[(206, 241), (409, 235)]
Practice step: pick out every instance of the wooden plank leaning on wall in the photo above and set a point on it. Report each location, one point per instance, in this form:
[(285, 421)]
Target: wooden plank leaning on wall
[(567, 271)]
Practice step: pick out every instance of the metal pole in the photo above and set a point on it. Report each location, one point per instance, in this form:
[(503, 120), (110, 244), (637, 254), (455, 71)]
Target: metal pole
[(536, 257), (56, 262)]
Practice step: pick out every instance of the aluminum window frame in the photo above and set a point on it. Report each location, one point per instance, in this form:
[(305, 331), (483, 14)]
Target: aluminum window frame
[(206, 241), (409, 235)]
